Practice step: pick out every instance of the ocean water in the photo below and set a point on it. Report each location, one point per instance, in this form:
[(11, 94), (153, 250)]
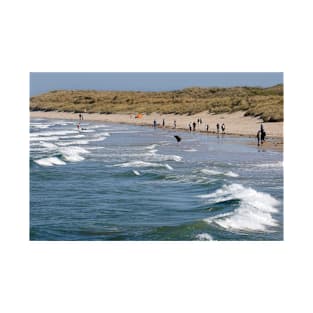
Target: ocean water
[(125, 182)]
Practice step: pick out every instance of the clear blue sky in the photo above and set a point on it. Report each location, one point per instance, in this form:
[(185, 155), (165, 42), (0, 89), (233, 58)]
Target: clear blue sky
[(41, 82)]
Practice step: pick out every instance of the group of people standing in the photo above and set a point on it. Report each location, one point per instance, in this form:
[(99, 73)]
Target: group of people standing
[(155, 124), (193, 125), (218, 126)]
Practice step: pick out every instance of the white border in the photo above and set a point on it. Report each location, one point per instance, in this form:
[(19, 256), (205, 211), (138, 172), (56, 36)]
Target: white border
[(155, 36)]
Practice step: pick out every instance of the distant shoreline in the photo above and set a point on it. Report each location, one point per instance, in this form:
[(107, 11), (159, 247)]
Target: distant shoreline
[(236, 123)]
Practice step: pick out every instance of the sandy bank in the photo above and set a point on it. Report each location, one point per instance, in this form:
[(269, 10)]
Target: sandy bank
[(235, 123)]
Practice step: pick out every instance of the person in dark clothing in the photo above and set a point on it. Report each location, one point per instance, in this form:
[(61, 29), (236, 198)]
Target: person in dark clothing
[(223, 128), (258, 136), (263, 134), (217, 127), (190, 127), (194, 126), (163, 123)]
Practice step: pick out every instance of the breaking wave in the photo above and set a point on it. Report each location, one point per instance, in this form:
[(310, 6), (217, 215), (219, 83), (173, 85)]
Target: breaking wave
[(139, 164), (49, 161), (253, 214)]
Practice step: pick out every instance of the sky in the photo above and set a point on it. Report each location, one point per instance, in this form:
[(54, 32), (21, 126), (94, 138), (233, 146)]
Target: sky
[(41, 82)]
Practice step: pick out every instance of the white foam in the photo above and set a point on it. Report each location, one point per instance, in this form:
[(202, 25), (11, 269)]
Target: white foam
[(210, 172), (231, 174), (271, 165), (136, 172), (214, 172), (253, 213), (191, 150), (73, 142), (106, 134), (86, 130), (169, 167), (39, 138), (152, 146), (50, 161), (73, 154), (162, 157), (204, 236), (48, 145), (139, 164), (53, 133), (40, 126)]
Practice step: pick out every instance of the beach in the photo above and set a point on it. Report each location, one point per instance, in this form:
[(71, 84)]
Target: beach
[(118, 181), (235, 123)]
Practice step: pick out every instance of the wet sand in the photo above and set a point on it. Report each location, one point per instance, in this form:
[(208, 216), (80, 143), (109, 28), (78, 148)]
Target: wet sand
[(235, 123)]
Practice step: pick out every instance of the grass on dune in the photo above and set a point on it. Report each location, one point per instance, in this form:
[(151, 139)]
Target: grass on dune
[(266, 103)]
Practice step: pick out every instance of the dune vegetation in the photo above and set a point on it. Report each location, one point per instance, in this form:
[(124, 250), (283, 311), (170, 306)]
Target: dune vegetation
[(266, 103)]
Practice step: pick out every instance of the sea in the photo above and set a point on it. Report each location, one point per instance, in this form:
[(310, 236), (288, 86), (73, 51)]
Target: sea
[(109, 182)]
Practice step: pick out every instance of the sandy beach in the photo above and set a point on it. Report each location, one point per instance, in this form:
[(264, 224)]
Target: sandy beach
[(235, 123)]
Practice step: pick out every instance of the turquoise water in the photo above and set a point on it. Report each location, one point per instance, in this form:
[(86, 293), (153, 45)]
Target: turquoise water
[(124, 182)]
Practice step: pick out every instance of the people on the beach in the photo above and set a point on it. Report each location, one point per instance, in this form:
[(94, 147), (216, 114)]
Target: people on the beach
[(154, 123), (78, 126), (207, 127), (258, 136), (217, 127), (194, 126), (163, 123), (190, 127), (174, 123), (223, 128), (263, 134)]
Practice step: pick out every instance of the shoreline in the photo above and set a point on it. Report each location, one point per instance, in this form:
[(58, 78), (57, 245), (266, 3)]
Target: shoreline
[(236, 123)]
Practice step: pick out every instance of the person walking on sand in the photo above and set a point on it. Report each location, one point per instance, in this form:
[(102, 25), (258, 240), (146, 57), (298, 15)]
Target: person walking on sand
[(263, 134), (258, 136), (223, 128), (207, 127), (154, 123), (217, 127), (163, 123), (190, 127), (174, 123), (194, 126)]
